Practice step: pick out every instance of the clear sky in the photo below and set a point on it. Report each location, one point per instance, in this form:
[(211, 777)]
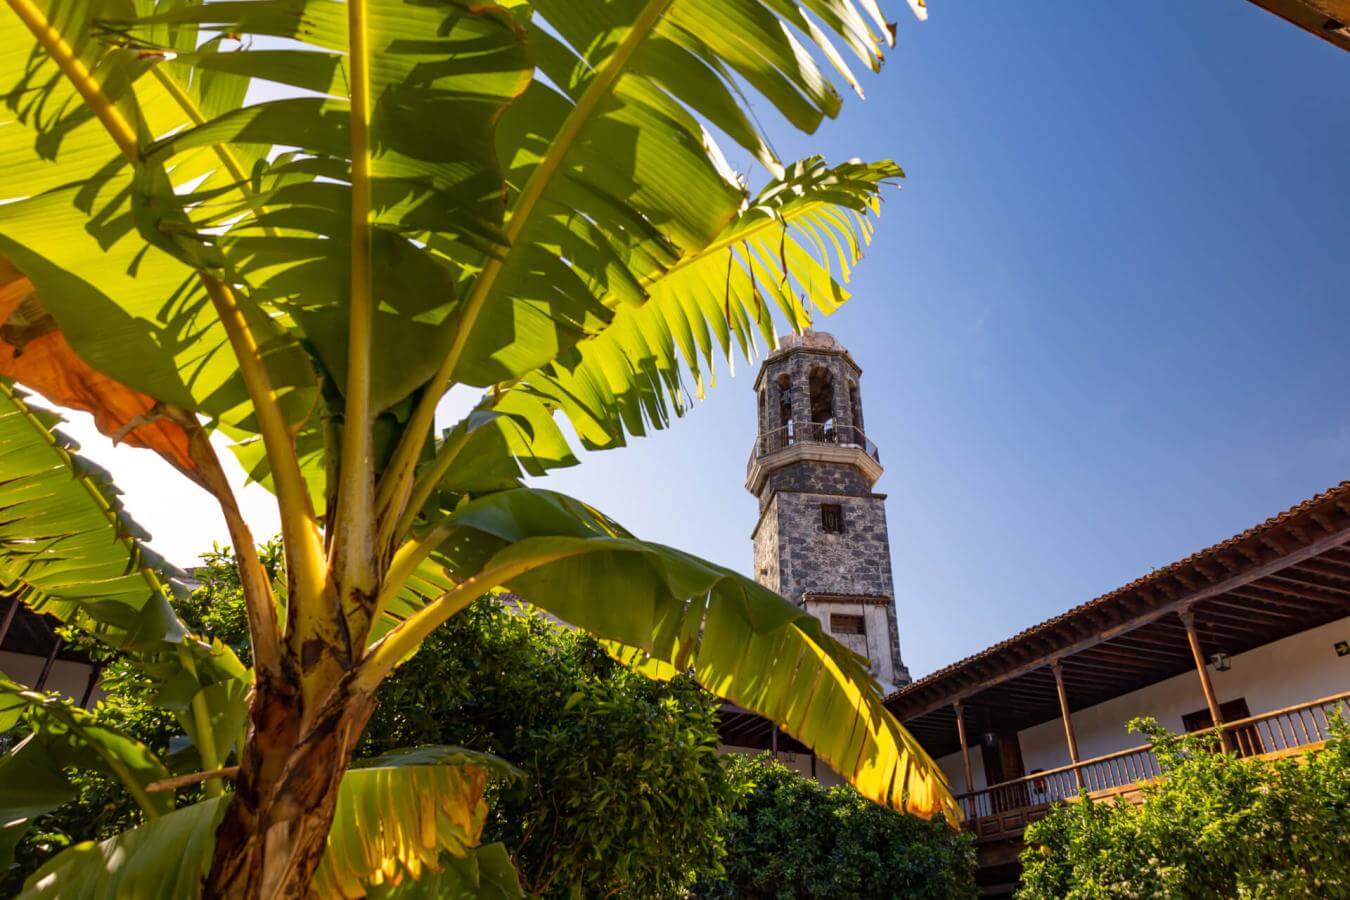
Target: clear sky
[(1106, 322)]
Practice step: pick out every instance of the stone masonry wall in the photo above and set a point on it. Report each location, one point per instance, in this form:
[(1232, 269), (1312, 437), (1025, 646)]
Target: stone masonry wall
[(816, 477), (811, 561), (876, 645), (766, 550)]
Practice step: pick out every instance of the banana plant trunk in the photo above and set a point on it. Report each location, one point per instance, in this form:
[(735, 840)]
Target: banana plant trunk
[(274, 831)]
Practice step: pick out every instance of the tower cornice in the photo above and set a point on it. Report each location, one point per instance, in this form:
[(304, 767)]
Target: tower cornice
[(761, 467)]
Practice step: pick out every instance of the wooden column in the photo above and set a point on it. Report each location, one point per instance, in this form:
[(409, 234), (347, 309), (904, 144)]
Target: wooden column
[(1069, 735), (47, 666), (1187, 617), (965, 751), (9, 618), (95, 670)]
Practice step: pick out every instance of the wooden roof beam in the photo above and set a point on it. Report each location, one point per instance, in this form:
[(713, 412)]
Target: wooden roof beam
[(1279, 586), (1297, 576), (1328, 567), (1248, 608), (1250, 595)]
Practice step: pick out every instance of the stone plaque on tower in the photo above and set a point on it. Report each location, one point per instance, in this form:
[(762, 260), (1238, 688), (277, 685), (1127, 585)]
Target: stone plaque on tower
[(821, 539)]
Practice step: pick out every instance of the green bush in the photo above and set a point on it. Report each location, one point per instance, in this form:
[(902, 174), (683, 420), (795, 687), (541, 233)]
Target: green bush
[(1213, 826), (624, 793), (791, 837)]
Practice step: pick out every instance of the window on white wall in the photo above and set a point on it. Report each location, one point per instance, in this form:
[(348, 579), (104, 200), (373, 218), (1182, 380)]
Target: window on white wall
[(847, 623)]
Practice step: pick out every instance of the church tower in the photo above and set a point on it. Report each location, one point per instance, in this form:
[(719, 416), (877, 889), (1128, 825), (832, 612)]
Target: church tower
[(821, 540)]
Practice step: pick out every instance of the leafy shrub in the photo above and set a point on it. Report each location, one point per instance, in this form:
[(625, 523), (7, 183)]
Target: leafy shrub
[(217, 607), (1213, 826), (625, 794), (792, 837)]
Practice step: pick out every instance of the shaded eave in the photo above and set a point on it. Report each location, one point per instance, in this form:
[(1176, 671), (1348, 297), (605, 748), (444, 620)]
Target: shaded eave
[(31, 634), (1286, 575), (1327, 19)]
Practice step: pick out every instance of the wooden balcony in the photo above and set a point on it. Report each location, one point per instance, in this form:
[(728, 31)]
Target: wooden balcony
[(1001, 811)]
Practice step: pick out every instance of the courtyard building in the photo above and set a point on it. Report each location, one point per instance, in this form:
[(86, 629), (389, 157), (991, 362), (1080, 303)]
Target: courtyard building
[(1252, 634)]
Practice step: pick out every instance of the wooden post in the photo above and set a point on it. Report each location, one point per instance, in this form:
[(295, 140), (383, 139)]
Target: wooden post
[(1069, 735), (47, 666), (95, 670), (9, 618), (965, 751), (773, 740), (1187, 617)]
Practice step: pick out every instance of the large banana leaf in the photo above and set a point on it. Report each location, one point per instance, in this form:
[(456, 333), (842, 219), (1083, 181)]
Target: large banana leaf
[(429, 194), (112, 266), (793, 246), (34, 352), (29, 787), (738, 639), (484, 873), (398, 814), (608, 177), (66, 546), (165, 857), (399, 817), (617, 181), (69, 550), (32, 777), (533, 176)]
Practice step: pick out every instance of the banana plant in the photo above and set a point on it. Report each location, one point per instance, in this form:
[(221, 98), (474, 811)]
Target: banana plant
[(294, 226)]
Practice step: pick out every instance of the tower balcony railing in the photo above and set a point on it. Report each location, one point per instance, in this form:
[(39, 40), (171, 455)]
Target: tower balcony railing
[(812, 433)]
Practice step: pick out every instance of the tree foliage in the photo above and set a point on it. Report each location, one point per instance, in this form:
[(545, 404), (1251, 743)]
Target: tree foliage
[(791, 837), (1214, 825), (623, 792)]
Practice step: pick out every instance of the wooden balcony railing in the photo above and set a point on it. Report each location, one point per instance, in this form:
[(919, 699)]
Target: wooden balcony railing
[(1282, 731)]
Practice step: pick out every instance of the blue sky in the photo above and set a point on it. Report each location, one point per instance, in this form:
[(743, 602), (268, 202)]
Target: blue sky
[(1103, 325)]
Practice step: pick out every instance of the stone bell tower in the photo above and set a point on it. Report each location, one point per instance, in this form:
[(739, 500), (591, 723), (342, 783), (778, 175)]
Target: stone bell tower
[(821, 540)]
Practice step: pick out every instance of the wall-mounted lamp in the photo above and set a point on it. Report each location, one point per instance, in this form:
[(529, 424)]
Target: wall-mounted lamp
[(990, 739), (1220, 661)]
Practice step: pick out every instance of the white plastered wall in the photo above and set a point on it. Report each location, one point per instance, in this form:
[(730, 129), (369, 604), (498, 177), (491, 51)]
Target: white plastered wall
[(874, 645), (797, 762), (69, 678)]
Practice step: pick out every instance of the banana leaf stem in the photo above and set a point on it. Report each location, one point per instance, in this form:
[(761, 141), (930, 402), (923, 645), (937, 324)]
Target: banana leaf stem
[(396, 646), (206, 735), (100, 104), (405, 562), (181, 781), (353, 551)]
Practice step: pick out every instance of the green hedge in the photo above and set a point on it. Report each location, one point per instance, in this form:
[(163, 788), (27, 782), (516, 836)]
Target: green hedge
[(790, 837), (1213, 826)]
